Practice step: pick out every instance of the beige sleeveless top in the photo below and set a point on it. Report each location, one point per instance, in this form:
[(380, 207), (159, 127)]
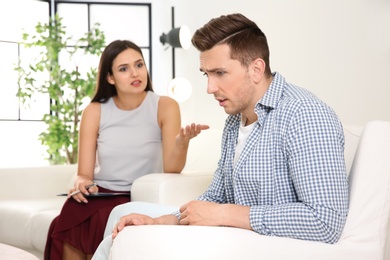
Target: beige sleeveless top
[(129, 144)]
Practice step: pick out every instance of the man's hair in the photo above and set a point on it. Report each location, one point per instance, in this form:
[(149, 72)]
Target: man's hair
[(245, 39)]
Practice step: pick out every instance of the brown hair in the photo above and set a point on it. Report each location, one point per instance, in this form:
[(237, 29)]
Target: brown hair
[(105, 90), (245, 39)]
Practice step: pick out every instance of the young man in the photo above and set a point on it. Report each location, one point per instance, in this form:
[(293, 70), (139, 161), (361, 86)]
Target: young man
[(282, 169)]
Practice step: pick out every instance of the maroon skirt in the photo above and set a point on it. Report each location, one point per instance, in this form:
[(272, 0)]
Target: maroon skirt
[(81, 225)]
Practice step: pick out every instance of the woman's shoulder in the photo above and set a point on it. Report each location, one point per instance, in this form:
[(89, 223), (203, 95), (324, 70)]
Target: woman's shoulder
[(168, 108), (166, 101), (92, 109)]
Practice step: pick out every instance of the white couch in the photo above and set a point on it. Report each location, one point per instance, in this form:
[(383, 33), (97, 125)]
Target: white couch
[(28, 201), (28, 204), (364, 236)]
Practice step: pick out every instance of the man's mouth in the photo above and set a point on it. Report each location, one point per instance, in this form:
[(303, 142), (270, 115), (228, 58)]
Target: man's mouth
[(222, 101)]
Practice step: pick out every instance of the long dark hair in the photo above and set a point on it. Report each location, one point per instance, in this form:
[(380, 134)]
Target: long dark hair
[(105, 90), (245, 39)]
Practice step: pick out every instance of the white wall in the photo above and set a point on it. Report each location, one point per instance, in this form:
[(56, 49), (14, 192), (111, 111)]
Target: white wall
[(338, 49)]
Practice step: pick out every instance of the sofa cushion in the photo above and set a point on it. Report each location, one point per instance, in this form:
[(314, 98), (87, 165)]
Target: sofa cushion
[(40, 223), (370, 187), (25, 223)]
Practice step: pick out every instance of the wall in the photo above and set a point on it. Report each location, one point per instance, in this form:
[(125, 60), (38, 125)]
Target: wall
[(340, 50)]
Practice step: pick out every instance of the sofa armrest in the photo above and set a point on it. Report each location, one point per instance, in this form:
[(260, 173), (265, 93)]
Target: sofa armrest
[(30, 183), (207, 242), (170, 188)]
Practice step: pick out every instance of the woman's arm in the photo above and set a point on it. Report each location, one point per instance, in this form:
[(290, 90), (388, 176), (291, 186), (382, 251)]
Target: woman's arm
[(175, 139), (89, 127)]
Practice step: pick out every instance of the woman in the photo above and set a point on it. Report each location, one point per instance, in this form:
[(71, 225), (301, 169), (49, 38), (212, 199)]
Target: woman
[(126, 131)]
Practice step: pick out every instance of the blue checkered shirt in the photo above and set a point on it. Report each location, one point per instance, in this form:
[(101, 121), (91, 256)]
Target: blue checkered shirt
[(291, 171)]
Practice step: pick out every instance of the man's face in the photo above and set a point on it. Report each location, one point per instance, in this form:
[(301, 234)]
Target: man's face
[(228, 80)]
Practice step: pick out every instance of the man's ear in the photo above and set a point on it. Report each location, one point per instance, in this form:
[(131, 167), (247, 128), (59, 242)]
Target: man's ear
[(258, 69), (110, 79)]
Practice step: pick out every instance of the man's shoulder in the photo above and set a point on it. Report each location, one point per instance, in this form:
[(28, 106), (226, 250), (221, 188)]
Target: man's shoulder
[(295, 97), (298, 104)]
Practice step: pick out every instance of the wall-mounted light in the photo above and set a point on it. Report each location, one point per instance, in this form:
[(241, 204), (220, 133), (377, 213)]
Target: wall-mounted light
[(177, 37), (179, 89)]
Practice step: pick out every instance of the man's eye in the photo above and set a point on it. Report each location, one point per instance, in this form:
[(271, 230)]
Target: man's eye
[(205, 74), (220, 73)]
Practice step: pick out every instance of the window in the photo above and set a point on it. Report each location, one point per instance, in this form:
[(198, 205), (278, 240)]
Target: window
[(20, 126)]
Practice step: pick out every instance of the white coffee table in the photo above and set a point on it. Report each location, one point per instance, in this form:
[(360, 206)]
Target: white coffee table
[(8, 252)]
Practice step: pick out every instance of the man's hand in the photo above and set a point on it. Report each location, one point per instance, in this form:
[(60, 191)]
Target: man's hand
[(201, 213), (132, 220), (204, 213), (139, 219)]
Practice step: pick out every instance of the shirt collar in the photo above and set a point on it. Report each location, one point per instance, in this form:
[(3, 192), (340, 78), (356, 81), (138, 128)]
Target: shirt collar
[(268, 102), (274, 93)]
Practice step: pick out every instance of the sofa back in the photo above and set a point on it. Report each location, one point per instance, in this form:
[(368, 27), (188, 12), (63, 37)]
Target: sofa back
[(38, 182), (369, 181), (204, 152)]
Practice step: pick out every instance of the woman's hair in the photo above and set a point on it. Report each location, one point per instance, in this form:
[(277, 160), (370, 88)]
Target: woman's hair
[(105, 90), (245, 39)]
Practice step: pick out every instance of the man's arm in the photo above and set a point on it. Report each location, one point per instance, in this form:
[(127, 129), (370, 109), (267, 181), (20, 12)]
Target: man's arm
[(315, 159)]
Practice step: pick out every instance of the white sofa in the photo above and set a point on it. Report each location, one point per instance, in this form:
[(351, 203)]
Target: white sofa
[(364, 236), (28, 201), (28, 204)]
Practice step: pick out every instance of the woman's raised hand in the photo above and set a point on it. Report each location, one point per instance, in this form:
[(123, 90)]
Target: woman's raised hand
[(190, 131)]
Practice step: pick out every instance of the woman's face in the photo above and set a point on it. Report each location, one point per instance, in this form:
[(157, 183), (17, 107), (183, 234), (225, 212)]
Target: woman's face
[(129, 73)]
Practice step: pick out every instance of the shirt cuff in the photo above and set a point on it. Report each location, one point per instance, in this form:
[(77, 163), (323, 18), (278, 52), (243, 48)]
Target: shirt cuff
[(257, 220)]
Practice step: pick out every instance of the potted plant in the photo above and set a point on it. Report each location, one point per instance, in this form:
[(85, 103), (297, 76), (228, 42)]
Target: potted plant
[(67, 88)]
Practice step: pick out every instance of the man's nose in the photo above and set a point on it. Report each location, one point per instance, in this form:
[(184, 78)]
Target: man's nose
[(211, 87)]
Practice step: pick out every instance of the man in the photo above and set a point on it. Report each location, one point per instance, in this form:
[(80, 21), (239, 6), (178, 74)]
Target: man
[(282, 169)]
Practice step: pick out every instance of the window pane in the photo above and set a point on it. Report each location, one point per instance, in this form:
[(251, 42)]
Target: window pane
[(39, 104), (9, 78), (122, 22), (29, 12), (75, 18), (146, 54), (19, 144), (84, 64)]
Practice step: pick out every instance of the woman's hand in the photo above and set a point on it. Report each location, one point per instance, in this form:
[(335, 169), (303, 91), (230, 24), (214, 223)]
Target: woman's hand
[(176, 143), (190, 131), (83, 185)]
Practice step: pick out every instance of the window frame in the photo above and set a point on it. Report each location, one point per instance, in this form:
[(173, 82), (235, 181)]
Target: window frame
[(54, 8)]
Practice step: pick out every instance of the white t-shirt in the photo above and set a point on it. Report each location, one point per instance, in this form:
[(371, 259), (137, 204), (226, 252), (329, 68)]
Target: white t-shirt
[(243, 135)]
